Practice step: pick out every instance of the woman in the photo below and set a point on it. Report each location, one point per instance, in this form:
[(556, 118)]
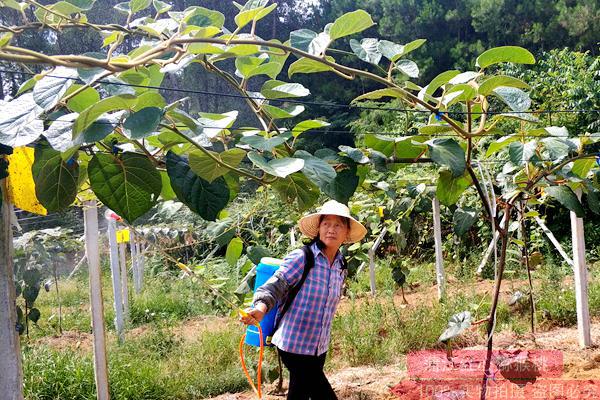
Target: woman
[(303, 333)]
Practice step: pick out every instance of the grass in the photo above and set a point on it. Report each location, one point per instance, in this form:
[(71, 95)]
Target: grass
[(157, 362)]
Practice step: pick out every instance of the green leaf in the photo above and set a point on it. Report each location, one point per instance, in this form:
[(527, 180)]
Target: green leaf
[(565, 196), (355, 155), (203, 17), (393, 51), (139, 5), (367, 50), (283, 113), (234, 251), (274, 89), (449, 188), (457, 324), (161, 7), (60, 136), (256, 14), (166, 192), (19, 122), (440, 80), (463, 220), (128, 183), (82, 4), (449, 153), (261, 143), (379, 94), (558, 148), (280, 167), (513, 54), (515, 98), (302, 38), (143, 122), (515, 153), (298, 188), (317, 170), (256, 253), (84, 99), (123, 8), (5, 39), (34, 315), (593, 199), (382, 144), (500, 144), (308, 66), (408, 67), (308, 125), (487, 87), (208, 168), (28, 85), (206, 199), (55, 179), (350, 23), (90, 114), (583, 166), (343, 186)]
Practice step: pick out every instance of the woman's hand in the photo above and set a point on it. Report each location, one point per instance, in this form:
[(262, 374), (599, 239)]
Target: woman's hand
[(254, 314)]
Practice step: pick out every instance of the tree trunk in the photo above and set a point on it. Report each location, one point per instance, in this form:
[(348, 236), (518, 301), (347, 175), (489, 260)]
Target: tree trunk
[(11, 375)]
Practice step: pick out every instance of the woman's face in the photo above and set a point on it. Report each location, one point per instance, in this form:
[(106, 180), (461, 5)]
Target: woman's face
[(333, 231)]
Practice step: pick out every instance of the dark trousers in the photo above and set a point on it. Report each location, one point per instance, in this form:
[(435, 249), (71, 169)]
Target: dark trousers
[(307, 379)]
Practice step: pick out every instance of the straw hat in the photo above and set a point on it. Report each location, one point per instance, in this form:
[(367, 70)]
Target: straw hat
[(309, 224)]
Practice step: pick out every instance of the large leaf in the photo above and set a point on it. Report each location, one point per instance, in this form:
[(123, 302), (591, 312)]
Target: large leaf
[(367, 50), (583, 166), (450, 188), (513, 54), (261, 143), (379, 94), (253, 14), (515, 98), (449, 153), (298, 188), (308, 66), (457, 324), (128, 183), (234, 251), (440, 80), (60, 136), (283, 113), (83, 100), (350, 23), (139, 5), (50, 89), (565, 196), (206, 199), (302, 38), (215, 124), (208, 168), (487, 87), (593, 199), (280, 90), (316, 169), (408, 67), (280, 167), (19, 122), (500, 144), (91, 114), (344, 185), (308, 125), (143, 122), (463, 220), (393, 51), (203, 17), (55, 179)]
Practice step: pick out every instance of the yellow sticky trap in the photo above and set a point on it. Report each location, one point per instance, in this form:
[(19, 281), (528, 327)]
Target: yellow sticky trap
[(123, 235), (380, 210), (21, 187)]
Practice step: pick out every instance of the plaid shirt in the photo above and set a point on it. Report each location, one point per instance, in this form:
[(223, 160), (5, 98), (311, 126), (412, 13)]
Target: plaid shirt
[(306, 326)]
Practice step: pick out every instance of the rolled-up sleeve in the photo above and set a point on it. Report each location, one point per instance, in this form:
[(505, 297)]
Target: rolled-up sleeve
[(277, 287)]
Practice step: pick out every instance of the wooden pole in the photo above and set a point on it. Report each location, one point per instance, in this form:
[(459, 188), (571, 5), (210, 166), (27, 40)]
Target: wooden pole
[(439, 260), (372, 251), (116, 278), (555, 242), (124, 280), (90, 217), (134, 263), (581, 279), (11, 370), (293, 236), (141, 261)]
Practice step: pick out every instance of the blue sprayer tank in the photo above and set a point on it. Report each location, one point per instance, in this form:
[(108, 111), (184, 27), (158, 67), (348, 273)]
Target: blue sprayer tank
[(264, 270)]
